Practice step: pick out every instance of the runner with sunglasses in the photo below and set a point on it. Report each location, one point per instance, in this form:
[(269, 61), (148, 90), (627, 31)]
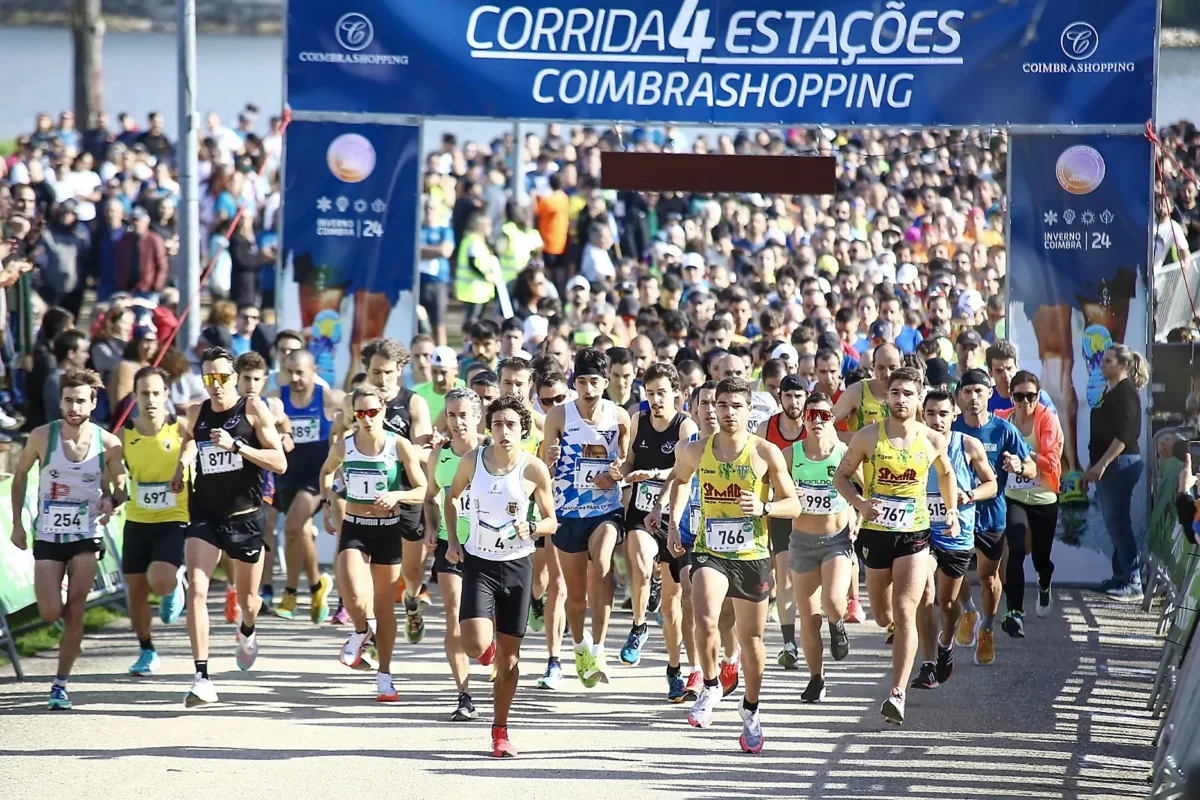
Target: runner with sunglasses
[(376, 464), (1032, 503), (226, 444), (975, 482), (781, 430), (549, 586), (820, 548)]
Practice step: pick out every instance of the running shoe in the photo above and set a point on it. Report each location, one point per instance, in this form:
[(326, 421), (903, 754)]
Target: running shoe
[(501, 746), (926, 676), (385, 690), (789, 656), (815, 691), (839, 641), (584, 666), (414, 625), (889, 637), (59, 700), (231, 604), (985, 648), (893, 708), (492, 672), (599, 670), (147, 664), (287, 606), (352, 651), (465, 711), (631, 653), (693, 687), (552, 679), (674, 688), (772, 611), (752, 735), (1014, 624), (424, 596), (1127, 592), (945, 663), (537, 615), (202, 693), (400, 594), (1107, 584), (341, 616), (702, 710), (1045, 602), (729, 675), (320, 600), (489, 655), (170, 608), (654, 602), (965, 635), (247, 652), (854, 612), (267, 595)]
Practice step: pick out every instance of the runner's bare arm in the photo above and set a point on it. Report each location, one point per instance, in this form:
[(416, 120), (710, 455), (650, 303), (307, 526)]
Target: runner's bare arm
[(786, 504), (978, 461), (33, 452), (947, 486), (626, 467), (623, 436), (553, 432), (846, 405), (187, 447), (270, 456), (420, 425), (543, 495), (433, 516), (686, 461), (114, 466), (462, 479), (282, 423), (410, 459), (337, 454), (862, 445)]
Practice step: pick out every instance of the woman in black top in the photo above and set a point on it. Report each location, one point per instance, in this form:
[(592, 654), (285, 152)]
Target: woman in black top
[(1116, 463)]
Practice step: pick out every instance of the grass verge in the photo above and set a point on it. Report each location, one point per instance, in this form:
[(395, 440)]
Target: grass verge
[(47, 637)]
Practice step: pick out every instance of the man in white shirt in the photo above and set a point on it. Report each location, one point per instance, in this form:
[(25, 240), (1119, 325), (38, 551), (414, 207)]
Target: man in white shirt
[(228, 142)]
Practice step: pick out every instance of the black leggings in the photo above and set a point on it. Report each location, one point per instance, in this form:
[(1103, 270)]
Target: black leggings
[(1040, 522)]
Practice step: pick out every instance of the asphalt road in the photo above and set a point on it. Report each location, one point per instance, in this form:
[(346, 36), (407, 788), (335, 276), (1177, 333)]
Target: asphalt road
[(1059, 715)]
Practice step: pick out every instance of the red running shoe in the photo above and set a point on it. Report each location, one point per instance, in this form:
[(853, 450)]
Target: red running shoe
[(501, 746), (489, 655), (729, 675)]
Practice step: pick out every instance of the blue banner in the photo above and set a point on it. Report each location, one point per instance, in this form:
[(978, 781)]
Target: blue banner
[(349, 231), (834, 62), (1079, 242)]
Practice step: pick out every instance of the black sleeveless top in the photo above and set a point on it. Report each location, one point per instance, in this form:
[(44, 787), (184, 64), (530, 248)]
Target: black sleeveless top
[(398, 419), (652, 449), (221, 487)]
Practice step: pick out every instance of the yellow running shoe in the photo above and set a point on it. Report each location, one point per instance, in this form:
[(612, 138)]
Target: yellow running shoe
[(985, 650), (286, 608), (320, 600), (891, 633), (965, 635)]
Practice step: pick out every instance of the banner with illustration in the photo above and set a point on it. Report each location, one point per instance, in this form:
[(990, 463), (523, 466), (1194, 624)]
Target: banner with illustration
[(349, 237), (1078, 250)]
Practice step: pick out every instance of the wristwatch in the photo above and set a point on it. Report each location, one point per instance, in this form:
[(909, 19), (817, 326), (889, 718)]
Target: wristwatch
[(766, 509), (237, 445)]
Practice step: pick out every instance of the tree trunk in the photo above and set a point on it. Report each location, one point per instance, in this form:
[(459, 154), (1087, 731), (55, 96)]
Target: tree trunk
[(88, 28)]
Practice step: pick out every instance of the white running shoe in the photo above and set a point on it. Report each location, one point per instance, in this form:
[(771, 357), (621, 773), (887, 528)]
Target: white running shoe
[(352, 650), (702, 711), (201, 694), (247, 651), (752, 735)]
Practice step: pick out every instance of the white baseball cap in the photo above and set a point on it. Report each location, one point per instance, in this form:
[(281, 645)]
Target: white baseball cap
[(444, 357), (536, 327), (578, 282), (906, 274), (785, 352), (693, 260)]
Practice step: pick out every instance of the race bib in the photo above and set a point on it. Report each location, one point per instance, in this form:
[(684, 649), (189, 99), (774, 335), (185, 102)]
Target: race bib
[(729, 535), (587, 470), (65, 519), (1021, 482), (937, 508), (214, 460), (155, 496), (306, 430), (464, 504), (693, 519), (365, 485), (895, 513), (496, 541), (819, 499), (647, 495)]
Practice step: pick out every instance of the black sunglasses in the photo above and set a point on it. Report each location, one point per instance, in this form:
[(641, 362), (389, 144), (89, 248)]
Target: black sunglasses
[(1024, 397)]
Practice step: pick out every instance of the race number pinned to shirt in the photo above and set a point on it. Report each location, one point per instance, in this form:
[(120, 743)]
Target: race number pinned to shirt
[(214, 460), (1019, 481), (647, 495), (818, 499), (937, 508), (496, 541), (64, 519), (895, 513), (155, 496), (306, 430), (587, 470), (365, 485), (729, 535)]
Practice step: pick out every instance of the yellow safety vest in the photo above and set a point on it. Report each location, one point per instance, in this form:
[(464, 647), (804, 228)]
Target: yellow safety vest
[(469, 284), (521, 245)]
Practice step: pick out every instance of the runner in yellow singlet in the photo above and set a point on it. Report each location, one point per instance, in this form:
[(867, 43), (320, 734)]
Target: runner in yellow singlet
[(896, 456), (731, 555), (865, 403)]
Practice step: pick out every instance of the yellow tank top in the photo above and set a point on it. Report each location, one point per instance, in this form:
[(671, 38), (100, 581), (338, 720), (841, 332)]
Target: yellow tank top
[(151, 462), (896, 482), (533, 442), (869, 411), (723, 529)]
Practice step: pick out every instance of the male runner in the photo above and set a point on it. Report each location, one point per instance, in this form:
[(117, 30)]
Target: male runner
[(586, 442), (377, 464), (820, 551), (865, 403), (156, 518), (549, 586), (1008, 454), (462, 409), (656, 434), (230, 441), (782, 430), (498, 561), (896, 456), (310, 410), (444, 377), (731, 556), (80, 471), (975, 482)]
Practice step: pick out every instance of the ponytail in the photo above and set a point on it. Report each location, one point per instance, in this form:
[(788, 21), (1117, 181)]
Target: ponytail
[(1135, 365)]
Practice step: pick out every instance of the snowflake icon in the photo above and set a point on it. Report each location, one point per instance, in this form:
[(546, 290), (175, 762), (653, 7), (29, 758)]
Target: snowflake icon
[(324, 204), (1087, 218), (360, 206), (1069, 217), (378, 206), (1050, 217), (343, 203), (1106, 217)]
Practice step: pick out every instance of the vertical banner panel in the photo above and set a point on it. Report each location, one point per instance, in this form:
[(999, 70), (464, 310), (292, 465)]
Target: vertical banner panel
[(1079, 244), (349, 238)]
